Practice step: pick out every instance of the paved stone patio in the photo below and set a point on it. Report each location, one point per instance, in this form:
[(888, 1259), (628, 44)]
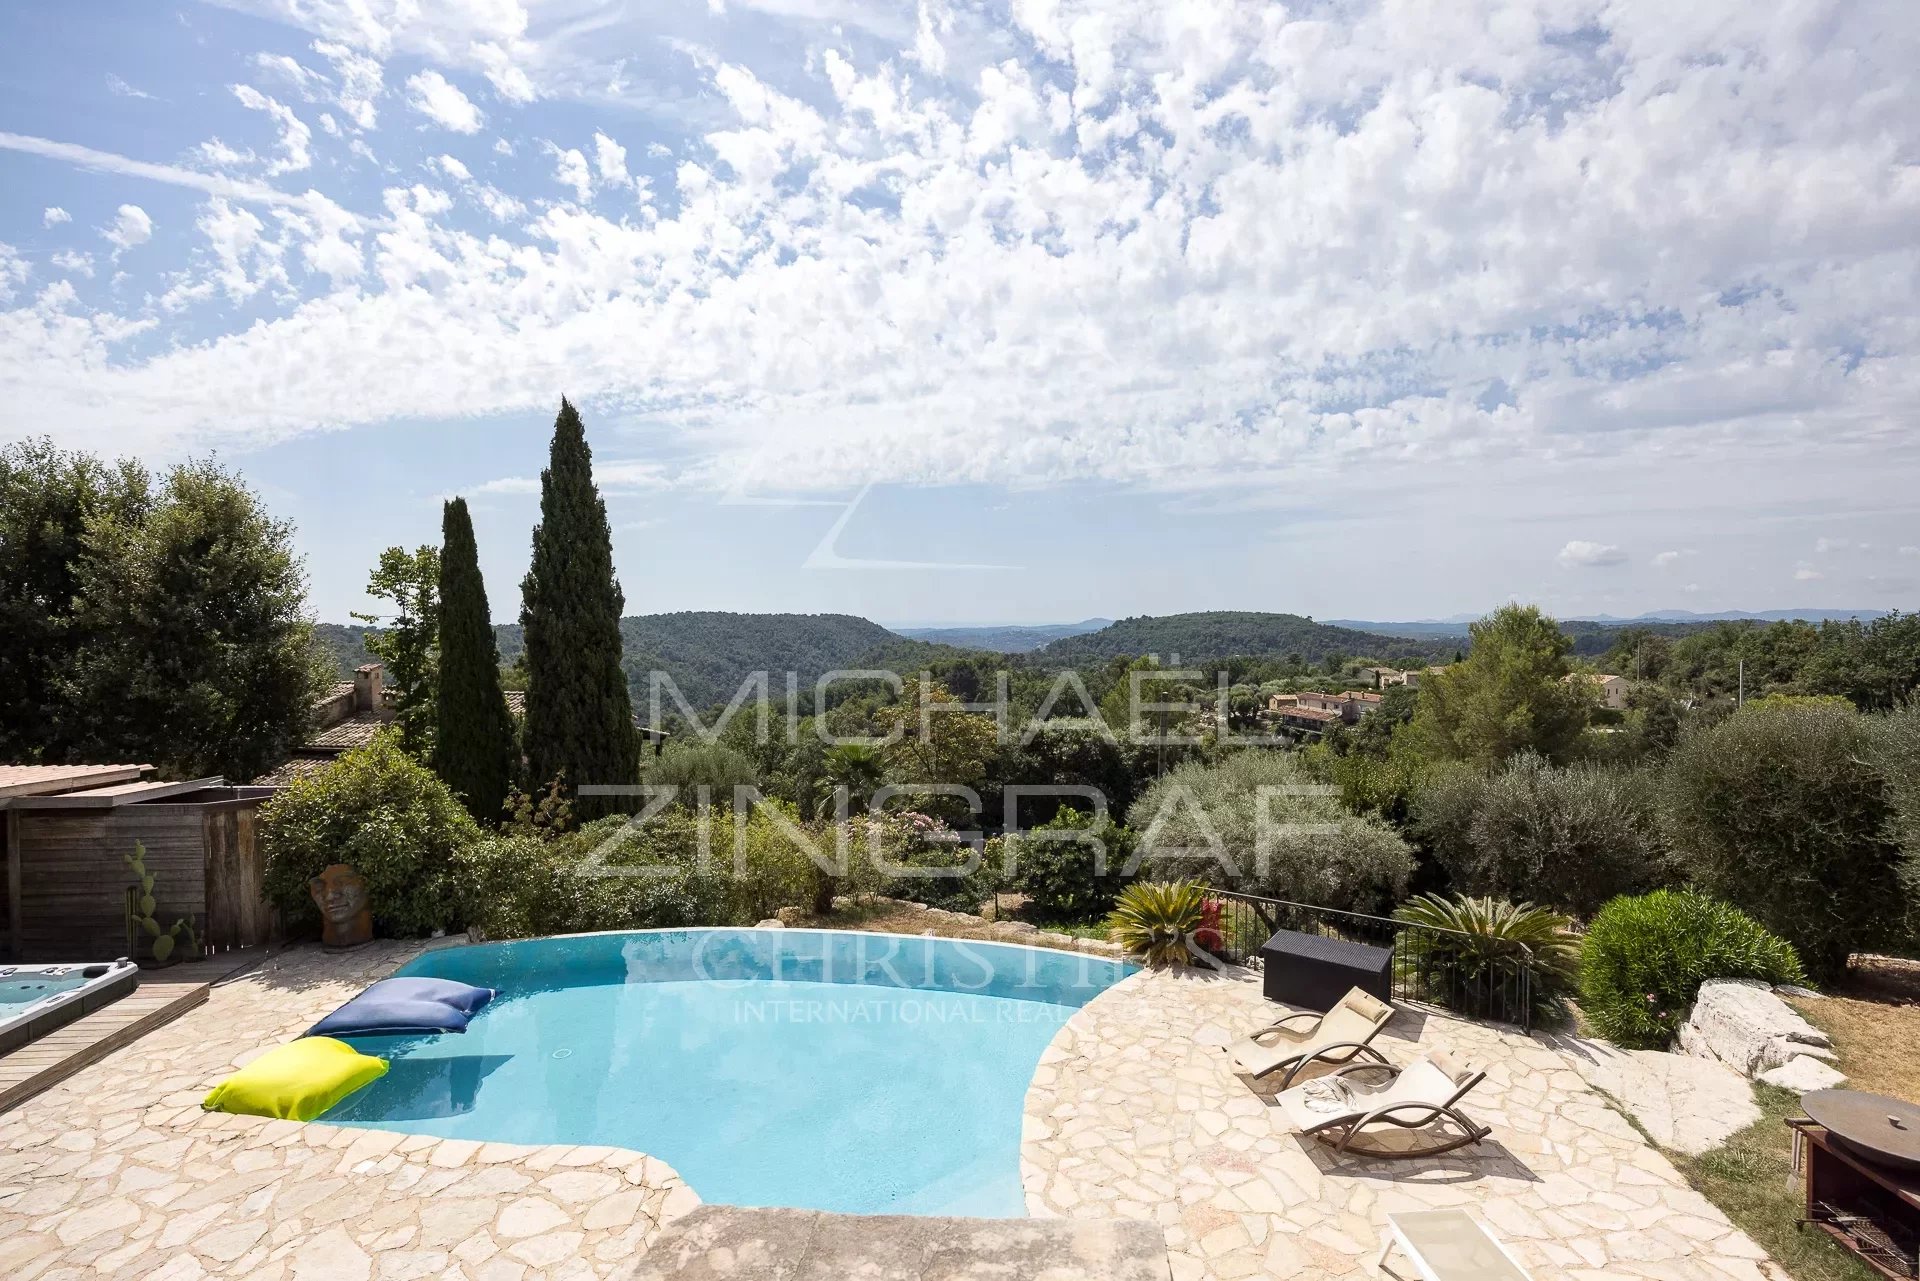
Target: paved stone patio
[(117, 1173), (1136, 1112)]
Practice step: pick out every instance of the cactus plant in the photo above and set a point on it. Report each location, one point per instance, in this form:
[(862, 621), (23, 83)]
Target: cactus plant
[(140, 919)]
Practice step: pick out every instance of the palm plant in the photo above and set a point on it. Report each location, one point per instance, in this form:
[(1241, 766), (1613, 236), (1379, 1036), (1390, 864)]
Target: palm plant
[(857, 767), (1157, 921), (1472, 952)]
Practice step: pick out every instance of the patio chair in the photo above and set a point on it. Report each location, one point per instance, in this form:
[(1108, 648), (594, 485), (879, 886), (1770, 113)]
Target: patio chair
[(1341, 1035), (1337, 1110)]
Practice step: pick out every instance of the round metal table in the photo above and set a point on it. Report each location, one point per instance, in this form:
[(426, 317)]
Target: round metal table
[(1874, 1127)]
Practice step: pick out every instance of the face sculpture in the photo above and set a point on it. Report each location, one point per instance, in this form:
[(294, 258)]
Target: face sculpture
[(341, 895)]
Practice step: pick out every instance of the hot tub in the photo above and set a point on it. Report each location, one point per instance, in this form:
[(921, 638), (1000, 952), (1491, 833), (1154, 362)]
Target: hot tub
[(36, 999)]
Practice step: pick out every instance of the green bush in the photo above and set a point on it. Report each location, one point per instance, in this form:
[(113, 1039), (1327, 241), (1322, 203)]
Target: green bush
[(1060, 870), (1480, 974), (921, 863), (604, 876), (1645, 958), (1895, 751), (1781, 811), (385, 814), (1159, 922), (691, 767), (1573, 838), (1258, 822)]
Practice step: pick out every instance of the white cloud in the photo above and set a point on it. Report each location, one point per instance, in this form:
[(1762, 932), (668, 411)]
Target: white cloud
[(1189, 248), (614, 476), (1662, 560), (131, 227), (14, 270), (504, 485), (309, 83), (1581, 554), (54, 216), (217, 154), (501, 147), (172, 175), (435, 97), (361, 80), (570, 170), (73, 262), (121, 89), (454, 169), (1807, 575), (1908, 550), (294, 133), (610, 161)]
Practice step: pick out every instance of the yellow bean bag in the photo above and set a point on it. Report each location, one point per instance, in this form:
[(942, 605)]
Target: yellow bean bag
[(296, 1082)]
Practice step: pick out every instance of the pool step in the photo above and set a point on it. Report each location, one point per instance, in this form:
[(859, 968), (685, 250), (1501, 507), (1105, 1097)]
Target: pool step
[(741, 1244)]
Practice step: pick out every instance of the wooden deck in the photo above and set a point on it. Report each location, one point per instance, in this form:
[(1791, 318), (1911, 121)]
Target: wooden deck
[(59, 1054)]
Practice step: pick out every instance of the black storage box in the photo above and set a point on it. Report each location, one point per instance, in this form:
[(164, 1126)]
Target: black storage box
[(1313, 972)]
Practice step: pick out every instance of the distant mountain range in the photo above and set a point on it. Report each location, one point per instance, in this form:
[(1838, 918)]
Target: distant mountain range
[(1013, 638), (1456, 625)]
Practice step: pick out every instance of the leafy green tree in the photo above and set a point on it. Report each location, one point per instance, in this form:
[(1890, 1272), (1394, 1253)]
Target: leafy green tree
[(189, 645), (1509, 695), (1781, 811), (48, 498), (473, 747), (938, 744), (579, 718), (408, 640)]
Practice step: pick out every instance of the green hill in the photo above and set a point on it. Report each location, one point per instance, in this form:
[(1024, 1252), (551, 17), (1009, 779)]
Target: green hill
[(1232, 633), (706, 653)]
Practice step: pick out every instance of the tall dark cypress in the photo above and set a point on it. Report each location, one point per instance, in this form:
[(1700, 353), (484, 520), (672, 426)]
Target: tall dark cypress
[(579, 718), (473, 752)]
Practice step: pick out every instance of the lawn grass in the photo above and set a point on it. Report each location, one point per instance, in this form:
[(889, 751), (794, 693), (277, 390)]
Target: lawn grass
[(1874, 1020), (1749, 1178)]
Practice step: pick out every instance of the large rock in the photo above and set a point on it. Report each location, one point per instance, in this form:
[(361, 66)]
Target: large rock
[(1745, 1025), (1803, 1073)]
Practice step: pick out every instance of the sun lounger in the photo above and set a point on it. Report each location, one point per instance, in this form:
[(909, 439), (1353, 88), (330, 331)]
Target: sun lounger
[(1339, 1109), (1449, 1245), (1342, 1034)]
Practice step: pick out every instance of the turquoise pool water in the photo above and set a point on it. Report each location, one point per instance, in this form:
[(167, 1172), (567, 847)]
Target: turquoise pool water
[(863, 1073)]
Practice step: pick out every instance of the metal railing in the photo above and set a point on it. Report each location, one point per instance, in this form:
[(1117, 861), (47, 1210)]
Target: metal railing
[(1468, 973)]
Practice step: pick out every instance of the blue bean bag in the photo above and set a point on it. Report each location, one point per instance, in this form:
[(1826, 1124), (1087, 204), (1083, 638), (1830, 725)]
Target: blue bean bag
[(401, 1007)]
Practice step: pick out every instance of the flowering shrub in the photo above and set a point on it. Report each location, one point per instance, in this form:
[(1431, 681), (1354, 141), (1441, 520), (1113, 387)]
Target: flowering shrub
[(1645, 958)]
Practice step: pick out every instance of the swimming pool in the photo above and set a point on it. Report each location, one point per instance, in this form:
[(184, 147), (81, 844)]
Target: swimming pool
[(832, 1070)]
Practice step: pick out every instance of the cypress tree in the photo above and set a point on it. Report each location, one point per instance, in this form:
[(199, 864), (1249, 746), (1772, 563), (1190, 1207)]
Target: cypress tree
[(473, 752), (579, 717)]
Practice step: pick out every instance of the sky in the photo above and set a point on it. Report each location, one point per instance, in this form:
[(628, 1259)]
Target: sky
[(1026, 311)]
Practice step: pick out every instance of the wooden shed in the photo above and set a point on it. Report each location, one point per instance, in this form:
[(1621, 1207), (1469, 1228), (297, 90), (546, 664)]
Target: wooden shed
[(65, 895)]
